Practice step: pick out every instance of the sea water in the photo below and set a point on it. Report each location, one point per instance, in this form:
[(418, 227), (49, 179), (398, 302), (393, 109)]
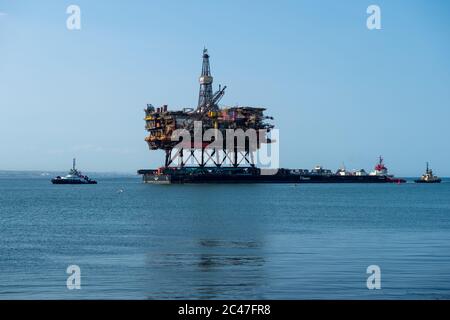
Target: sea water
[(258, 241)]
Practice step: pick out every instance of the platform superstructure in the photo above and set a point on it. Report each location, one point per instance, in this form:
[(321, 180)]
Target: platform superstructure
[(167, 128)]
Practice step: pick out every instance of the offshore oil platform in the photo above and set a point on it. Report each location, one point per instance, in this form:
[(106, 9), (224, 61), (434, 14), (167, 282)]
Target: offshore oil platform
[(210, 144)]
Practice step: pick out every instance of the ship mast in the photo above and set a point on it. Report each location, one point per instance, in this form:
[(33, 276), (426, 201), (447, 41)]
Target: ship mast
[(73, 163)]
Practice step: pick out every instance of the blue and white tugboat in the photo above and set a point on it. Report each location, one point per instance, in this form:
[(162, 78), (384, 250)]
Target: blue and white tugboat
[(74, 177)]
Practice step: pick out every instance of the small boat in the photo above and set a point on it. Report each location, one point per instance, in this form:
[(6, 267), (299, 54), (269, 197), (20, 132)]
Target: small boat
[(74, 177), (428, 177)]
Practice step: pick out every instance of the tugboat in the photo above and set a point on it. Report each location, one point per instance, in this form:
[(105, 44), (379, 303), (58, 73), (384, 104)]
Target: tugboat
[(74, 177), (428, 177), (381, 170)]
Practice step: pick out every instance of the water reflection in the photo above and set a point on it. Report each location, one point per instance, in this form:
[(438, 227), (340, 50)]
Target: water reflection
[(233, 244), (207, 268)]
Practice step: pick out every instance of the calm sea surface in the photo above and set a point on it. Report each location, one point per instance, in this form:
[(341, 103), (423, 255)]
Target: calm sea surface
[(222, 241)]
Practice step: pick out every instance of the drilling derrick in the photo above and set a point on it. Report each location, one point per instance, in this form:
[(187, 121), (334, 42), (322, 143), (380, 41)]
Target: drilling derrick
[(206, 92), (181, 133)]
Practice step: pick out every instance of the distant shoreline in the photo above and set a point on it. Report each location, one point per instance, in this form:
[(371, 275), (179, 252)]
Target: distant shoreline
[(43, 173)]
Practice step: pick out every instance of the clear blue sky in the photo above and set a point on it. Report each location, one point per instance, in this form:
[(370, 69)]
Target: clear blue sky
[(338, 91)]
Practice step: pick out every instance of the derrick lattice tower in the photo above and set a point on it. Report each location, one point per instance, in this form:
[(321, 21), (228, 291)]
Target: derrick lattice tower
[(206, 91)]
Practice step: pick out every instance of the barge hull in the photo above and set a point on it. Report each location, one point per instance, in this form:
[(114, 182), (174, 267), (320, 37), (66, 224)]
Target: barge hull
[(230, 177)]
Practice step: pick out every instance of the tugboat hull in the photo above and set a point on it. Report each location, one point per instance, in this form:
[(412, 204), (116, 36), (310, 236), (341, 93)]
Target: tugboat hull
[(66, 181), (424, 181)]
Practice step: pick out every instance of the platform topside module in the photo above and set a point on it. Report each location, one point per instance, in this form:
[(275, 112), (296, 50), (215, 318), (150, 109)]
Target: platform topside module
[(162, 124)]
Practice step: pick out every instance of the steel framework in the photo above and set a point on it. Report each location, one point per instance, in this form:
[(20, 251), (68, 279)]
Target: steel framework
[(162, 124)]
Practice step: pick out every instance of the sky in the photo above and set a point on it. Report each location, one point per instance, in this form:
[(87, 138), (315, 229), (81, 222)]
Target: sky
[(339, 92)]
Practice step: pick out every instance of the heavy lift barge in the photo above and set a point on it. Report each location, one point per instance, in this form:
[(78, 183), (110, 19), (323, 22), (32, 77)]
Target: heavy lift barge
[(225, 164), (179, 175)]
